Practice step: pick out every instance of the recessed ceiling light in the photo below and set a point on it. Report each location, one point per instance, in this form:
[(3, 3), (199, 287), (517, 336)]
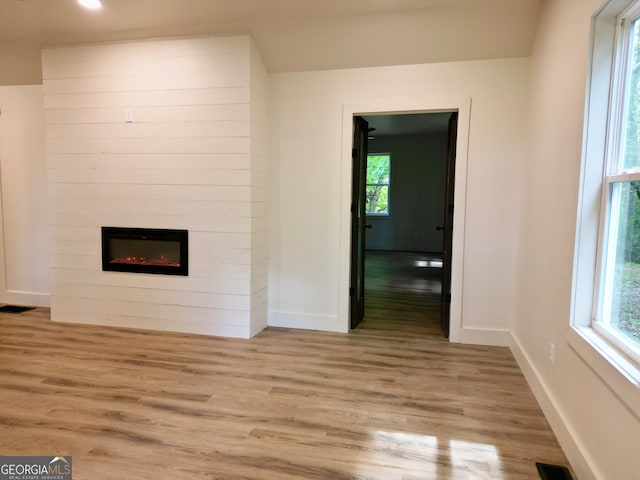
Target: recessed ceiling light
[(92, 4)]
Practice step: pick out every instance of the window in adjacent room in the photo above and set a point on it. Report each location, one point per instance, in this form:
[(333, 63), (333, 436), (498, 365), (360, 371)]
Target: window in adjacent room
[(378, 182)]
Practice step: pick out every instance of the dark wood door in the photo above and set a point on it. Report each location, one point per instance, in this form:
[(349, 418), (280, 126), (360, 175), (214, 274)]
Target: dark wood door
[(445, 309), (358, 219)]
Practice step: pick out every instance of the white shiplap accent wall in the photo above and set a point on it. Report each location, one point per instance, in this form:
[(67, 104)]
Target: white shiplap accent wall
[(193, 158)]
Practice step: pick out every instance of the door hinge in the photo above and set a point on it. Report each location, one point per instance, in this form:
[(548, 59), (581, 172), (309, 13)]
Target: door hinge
[(352, 291), (451, 209), (354, 153), (447, 298)]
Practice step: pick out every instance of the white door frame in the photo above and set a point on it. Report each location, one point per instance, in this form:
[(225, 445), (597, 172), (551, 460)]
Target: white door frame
[(400, 106)]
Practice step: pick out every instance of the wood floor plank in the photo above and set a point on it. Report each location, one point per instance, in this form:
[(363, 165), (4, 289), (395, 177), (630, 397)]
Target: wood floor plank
[(391, 400)]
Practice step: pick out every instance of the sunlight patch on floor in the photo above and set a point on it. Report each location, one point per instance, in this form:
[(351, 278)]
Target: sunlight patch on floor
[(479, 458), (429, 455), (429, 263)]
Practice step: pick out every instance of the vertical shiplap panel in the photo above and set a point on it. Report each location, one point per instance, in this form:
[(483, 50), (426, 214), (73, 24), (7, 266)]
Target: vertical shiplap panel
[(259, 171), (187, 160)]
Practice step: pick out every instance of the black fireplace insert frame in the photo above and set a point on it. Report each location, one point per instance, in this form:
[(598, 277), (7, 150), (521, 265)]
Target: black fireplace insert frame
[(125, 233)]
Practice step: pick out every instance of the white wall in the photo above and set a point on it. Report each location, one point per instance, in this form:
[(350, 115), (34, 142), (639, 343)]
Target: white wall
[(193, 158), (24, 263), (417, 193), (306, 260), (599, 433)]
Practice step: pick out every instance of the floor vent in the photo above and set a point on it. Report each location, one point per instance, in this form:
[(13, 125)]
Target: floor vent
[(14, 309), (553, 472)]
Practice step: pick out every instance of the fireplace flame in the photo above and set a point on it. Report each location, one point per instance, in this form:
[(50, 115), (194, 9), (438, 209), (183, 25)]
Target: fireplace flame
[(161, 261)]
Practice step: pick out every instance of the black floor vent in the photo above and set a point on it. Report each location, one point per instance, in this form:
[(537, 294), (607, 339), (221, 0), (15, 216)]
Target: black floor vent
[(553, 472), (14, 309)]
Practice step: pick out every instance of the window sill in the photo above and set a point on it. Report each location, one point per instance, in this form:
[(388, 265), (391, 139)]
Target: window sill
[(618, 373)]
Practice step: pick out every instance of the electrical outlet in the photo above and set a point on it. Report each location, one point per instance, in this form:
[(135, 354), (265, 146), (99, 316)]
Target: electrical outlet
[(552, 354), (128, 115)]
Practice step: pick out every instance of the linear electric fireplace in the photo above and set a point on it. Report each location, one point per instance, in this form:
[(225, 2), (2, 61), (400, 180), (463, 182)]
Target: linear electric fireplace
[(145, 250)]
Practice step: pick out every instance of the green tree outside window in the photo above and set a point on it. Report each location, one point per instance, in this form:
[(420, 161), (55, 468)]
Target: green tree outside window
[(378, 175)]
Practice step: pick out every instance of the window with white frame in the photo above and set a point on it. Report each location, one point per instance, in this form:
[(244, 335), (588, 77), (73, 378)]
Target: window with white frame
[(615, 154)]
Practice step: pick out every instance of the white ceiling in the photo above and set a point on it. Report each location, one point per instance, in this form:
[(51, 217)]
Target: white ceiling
[(294, 35)]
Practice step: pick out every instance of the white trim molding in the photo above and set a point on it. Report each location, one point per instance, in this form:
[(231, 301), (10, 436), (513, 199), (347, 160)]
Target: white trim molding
[(306, 321), (400, 106), (485, 336), (33, 299), (576, 453)]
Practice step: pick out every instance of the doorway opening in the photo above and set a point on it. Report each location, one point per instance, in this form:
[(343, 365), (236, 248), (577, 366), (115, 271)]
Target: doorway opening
[(403, 174)]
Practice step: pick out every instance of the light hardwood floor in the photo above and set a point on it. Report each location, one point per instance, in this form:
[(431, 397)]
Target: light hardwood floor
[(391, 400)]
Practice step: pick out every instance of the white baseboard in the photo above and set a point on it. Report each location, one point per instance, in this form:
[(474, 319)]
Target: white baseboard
[(307, 321), (30, 299), (331, 323), (564, 433), (484, 336), (165, 325)]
